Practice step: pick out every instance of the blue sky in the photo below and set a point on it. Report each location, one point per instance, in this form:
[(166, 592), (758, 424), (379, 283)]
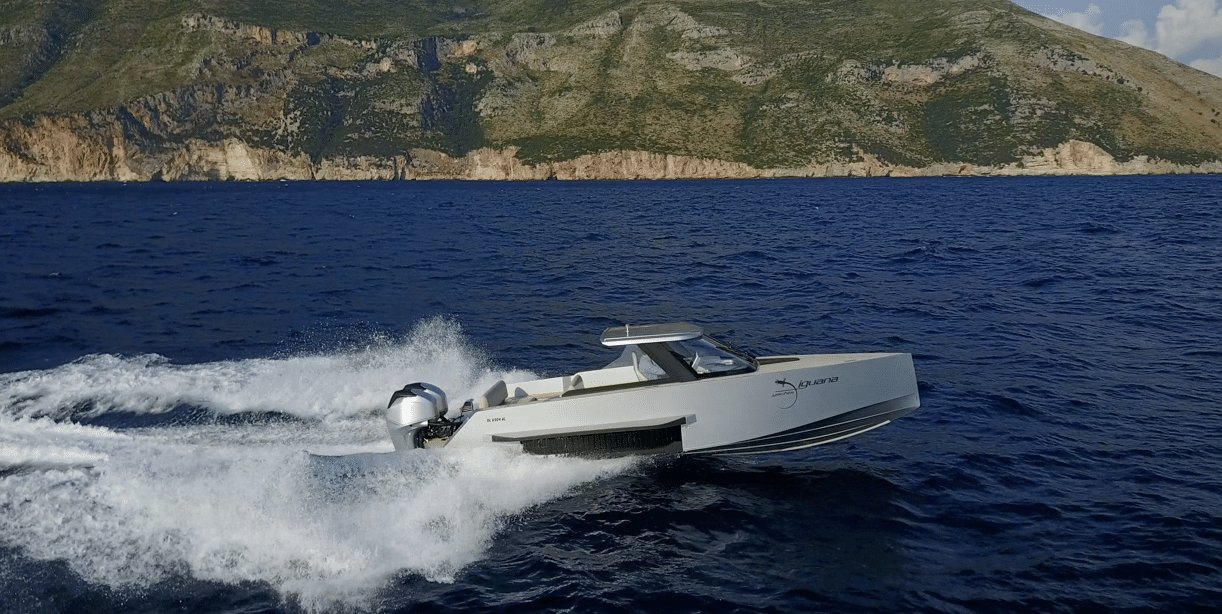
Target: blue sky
[(1189, 31)]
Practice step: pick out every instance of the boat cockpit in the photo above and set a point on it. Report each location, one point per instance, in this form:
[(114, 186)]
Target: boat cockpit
[(680, 352), (652, 354)]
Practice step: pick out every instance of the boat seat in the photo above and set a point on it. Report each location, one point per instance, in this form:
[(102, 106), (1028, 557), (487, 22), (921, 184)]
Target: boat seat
[(494, 396), (606, 377)]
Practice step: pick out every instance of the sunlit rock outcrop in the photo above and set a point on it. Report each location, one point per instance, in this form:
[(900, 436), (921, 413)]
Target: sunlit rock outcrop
[(645, 90)]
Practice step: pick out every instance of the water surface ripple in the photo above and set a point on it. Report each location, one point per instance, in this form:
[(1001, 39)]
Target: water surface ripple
[(168, 353)]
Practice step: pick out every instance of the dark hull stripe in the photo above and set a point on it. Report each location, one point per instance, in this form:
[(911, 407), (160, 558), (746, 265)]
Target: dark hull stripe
[(820, 432), (667, 440), (677, 422)]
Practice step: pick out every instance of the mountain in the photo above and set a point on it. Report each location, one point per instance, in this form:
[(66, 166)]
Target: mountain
[(491, 89)]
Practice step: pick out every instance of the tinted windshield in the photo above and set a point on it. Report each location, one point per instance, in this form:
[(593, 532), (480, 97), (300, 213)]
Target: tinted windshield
[(707, 356)]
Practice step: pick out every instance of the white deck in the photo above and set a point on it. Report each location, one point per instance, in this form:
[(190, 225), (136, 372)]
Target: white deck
[(501, 393)]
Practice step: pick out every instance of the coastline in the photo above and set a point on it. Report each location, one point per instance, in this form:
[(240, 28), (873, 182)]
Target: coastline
[(64, 156)]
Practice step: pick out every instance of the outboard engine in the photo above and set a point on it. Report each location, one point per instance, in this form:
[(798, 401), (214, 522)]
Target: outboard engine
[(411, 410)]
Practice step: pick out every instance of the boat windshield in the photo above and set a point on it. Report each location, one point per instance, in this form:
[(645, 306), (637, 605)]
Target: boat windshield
[(704, 356), (708, 357)]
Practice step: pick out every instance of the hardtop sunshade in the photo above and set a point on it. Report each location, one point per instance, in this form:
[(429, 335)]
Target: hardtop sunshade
[(650, 333)]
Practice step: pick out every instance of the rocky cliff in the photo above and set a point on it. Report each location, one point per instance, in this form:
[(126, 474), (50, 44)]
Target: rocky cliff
[(137, 90)]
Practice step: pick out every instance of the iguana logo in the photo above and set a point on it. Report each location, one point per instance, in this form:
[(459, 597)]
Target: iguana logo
[(786, 395)]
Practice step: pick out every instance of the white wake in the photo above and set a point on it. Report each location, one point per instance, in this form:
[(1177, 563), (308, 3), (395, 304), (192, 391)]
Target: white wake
[(244, 502)]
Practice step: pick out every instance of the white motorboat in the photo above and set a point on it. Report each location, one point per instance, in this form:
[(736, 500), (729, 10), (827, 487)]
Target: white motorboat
[(672, 390)]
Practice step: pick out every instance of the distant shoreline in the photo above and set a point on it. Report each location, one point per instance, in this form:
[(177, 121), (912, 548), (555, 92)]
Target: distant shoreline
[(78, 160)]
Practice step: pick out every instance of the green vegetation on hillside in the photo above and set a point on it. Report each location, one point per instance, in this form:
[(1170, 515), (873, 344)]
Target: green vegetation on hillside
[(780, 84)]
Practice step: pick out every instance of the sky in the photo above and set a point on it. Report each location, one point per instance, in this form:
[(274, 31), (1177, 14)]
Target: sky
[(1189, 31)]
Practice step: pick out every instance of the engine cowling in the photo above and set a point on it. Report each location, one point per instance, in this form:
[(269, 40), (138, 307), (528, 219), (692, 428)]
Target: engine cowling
[(410, 410)]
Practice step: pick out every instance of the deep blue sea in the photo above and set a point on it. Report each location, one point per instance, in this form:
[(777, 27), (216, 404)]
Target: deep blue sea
[(170, 352)]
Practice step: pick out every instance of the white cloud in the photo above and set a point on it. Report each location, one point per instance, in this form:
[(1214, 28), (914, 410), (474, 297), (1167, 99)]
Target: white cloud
[(1134, 33), (1213, 67), (1187, 25), (1088, 21), (1186, 30)]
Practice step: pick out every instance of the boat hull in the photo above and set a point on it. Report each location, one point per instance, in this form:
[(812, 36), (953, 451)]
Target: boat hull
[(790, 402)]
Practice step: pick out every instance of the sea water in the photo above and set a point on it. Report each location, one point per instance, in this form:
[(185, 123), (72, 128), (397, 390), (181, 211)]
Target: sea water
[(192, 380)]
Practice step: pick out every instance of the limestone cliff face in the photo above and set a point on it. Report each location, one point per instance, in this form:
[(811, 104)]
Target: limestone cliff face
[(76, 149), (635, 90)]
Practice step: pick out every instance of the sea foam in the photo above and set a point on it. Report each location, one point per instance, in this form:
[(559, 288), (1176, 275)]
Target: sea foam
[(237, 502), (314, 386), (319, 530)]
